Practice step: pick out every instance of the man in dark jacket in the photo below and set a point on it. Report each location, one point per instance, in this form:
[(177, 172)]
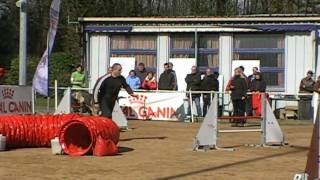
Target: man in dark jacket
[(208, 83), (193, 81), (170, 66), (167, 79), (238, 89), (106, 90), (141, 72), (306, 86)]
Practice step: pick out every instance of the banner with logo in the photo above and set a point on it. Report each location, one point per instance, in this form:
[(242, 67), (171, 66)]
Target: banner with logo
[(15, 100), (40, 79), (154, 105)]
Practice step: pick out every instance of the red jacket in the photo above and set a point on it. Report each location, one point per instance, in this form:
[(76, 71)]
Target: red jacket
[(149, 84)]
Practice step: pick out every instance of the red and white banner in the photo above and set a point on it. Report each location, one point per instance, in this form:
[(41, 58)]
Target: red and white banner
[(16, 100), (153, 105)]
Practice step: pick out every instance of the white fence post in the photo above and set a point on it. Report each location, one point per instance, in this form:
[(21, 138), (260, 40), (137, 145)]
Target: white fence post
[(55, 95)]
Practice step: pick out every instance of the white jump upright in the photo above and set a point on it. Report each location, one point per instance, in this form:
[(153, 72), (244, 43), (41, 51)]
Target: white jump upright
[(118, 117), (270, 130), (207, 134), (64, 106)]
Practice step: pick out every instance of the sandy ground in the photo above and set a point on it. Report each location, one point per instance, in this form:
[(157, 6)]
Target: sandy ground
[(163, 150)]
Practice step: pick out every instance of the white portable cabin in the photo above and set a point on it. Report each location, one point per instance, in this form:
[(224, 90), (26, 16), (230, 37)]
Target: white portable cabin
[(285, 46)]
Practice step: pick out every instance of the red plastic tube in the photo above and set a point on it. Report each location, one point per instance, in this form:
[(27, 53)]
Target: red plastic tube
[(32, 131), (77, 134), (78, 137)]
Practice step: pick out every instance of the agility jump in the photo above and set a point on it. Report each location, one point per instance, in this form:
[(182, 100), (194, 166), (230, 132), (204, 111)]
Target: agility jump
[(271, 133)]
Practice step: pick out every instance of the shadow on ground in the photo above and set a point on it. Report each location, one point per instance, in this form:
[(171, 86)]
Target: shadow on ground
[(297, 149)]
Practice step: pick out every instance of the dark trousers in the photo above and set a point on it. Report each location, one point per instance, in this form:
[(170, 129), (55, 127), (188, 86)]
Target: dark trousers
[(305, 111), (106, 108), (206, 103), (248, 102), (239, 107)]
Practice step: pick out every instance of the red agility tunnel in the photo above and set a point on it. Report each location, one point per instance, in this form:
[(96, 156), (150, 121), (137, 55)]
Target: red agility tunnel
[(86, 134), (32, 131), (78, 135)]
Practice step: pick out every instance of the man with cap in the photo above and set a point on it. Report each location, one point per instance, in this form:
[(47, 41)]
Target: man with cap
[(306, 86)]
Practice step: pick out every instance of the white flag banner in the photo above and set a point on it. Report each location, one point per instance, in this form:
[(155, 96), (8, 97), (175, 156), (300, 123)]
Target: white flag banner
[(318, 53), (40, 79)]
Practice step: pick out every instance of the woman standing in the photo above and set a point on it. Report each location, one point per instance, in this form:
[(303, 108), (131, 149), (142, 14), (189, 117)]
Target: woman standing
[(257, 86)]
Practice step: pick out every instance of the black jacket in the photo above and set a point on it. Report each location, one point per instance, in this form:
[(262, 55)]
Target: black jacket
[(258, 85), (250, 80), (239, 89), (193, 83), (167, 81), (210, 83)]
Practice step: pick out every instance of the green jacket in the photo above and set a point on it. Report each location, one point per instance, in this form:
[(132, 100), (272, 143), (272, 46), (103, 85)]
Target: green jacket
[(77, 80)]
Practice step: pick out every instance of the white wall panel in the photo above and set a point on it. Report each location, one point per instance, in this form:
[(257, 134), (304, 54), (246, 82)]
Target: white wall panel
[(98, 57), (163, 55), (225, 56)]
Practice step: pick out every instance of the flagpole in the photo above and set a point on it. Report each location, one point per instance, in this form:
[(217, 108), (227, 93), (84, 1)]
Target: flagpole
[(48, 96), (22, 4)]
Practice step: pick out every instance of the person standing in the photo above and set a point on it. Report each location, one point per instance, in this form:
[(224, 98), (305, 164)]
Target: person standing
[(193, 81), (258, 86), (255, 70), (106, 90), (170, 66), (248, 102), (238, 87), (209, 83), (78, 78), (141, 72), (306, 86), (249, 108), (150, 82), (133, 81), (167, 79), (243, 75)]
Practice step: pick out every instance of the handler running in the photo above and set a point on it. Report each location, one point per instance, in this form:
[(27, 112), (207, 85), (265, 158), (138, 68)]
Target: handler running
[(106, 90)]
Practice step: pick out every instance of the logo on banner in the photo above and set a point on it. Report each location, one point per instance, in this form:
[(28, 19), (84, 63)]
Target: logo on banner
[(140, 100), (140, 109), (7, 93), (11, 104)]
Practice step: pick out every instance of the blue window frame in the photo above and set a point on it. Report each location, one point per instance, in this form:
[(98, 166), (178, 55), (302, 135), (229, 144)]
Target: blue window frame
[(269, 49), (142, 47), (183, 46)]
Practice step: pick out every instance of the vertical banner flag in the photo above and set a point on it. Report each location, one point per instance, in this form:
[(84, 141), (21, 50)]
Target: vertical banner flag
[(40, 79)]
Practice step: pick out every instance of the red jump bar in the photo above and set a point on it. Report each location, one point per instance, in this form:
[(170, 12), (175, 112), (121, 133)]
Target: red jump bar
[(239, 117)]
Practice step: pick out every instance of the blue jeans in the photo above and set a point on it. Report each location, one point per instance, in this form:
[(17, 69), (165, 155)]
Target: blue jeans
[(196, 100)]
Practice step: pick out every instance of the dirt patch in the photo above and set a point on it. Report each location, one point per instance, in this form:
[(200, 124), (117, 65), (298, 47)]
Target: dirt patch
[(163, 150)]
